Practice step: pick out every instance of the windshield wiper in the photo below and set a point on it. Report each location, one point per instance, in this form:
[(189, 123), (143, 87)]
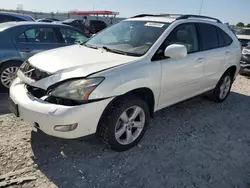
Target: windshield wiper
[(117, 51), (89, 46)]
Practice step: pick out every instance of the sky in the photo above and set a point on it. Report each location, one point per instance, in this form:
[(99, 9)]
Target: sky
[(231, 11)]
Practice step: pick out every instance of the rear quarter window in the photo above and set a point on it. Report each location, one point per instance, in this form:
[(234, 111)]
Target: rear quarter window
[(224, 38)]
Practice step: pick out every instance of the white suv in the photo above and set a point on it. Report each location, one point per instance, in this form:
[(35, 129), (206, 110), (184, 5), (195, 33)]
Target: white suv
[(114, 82)]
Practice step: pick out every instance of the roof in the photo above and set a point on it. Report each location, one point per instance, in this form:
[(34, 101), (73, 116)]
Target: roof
[(172, 17), (154, 19), (8, 25), (18, 15)]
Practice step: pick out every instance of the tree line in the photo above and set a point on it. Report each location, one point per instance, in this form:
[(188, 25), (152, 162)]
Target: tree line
[(241, 24)]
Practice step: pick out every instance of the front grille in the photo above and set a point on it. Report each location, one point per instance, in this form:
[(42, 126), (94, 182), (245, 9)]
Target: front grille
[(32, 72), (36, 92)]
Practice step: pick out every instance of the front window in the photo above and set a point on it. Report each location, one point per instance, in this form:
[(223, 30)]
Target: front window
[(130, 37), (244, 32), (72, 37)]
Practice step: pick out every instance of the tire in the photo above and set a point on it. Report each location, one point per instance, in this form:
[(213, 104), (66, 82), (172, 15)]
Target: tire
[(241, 72), (11, 66), (218, 95), (113, 123)]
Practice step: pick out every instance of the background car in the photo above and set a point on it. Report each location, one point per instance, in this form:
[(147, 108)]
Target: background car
[(27, 39), (244, 36), (11, 16), (97, 25), (48, 20), (79, 24), (245, 61), (87, 26)]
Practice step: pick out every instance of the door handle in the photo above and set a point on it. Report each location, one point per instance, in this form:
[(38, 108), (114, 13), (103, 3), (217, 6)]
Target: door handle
[(227, 53), (200, 60)]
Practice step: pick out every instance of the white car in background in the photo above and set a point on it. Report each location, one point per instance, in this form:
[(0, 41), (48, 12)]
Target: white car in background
[(112, 84), (244, 36)]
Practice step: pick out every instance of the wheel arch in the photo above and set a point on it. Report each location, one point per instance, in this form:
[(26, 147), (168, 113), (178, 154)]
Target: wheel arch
[(232, 70), (8, 61), (143, 93)]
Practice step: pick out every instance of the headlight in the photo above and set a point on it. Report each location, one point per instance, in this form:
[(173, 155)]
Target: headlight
[(246, 51), (79, 89)]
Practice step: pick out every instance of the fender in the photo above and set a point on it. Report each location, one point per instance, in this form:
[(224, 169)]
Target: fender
[(121, 80)]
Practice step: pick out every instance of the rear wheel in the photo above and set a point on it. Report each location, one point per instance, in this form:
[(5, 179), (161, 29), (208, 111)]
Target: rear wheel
[(125, 123), (8, 74), (222, 89)]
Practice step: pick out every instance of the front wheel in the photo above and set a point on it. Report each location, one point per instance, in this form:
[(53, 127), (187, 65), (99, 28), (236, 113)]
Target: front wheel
[(125, 123)]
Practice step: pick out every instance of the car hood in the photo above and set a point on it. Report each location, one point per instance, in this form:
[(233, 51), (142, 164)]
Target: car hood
[(73, 62), (77, 56), (243, 37)]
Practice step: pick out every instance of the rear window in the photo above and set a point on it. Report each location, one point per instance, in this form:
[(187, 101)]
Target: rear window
[(38, 35), (97, 22), (209, 36)]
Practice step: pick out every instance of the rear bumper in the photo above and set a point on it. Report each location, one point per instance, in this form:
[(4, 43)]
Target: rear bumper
[(47, 115)]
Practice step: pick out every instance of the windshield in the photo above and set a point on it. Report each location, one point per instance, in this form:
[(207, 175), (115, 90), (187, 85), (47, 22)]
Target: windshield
[(244, 32), (131, 37)]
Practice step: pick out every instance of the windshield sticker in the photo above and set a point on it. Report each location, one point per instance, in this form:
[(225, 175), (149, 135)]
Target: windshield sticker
[(153, 24)]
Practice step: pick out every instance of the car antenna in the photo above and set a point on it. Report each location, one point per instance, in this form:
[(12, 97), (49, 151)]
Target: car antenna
[(201, 7)]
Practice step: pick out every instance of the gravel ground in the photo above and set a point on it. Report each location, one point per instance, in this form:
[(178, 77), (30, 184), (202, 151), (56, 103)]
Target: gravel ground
[(193, 144)]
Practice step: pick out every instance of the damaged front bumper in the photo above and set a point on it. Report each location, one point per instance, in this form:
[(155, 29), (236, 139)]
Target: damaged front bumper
[(47, 116)]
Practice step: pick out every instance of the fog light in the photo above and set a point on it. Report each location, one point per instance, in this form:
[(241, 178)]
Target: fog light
[(65, 128)]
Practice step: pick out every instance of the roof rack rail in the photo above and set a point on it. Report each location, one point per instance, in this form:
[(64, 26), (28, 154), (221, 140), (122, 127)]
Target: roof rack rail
[(169, 15), (143, 15), (197, 16), (157, 15)]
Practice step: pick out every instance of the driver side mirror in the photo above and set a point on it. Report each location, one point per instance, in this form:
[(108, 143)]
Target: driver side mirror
[(175, 51)]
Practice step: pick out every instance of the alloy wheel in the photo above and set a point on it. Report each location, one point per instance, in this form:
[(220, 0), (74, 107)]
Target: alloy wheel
[(225, 87), (130, 125), (8, 75)]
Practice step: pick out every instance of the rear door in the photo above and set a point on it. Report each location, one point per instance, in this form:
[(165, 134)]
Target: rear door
[(37, 39), (215, 51)]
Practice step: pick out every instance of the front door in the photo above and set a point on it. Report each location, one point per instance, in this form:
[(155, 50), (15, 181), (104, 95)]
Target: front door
[(35, 40), (181, 78)]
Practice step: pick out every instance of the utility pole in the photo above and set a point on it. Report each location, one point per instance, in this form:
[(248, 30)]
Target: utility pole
[(201, 7)]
